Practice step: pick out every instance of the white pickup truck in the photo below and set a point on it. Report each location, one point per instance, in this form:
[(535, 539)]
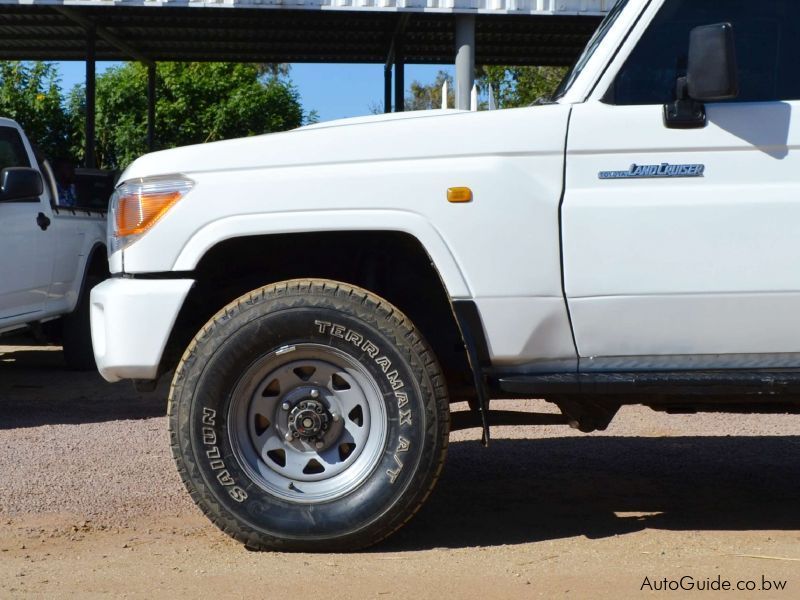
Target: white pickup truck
[(52, 254), (634, 239)]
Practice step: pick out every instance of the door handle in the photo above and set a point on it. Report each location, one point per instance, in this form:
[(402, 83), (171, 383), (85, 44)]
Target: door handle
[(42, 221)]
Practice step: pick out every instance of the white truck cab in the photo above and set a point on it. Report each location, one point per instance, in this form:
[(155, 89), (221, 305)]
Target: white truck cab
[(333, 289), (52, 254)]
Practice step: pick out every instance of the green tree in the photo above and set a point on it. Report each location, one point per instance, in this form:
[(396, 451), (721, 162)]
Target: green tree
[(274, 70), (512, 87), (30, 93), (429, 96), (195, 103), (520, 86)]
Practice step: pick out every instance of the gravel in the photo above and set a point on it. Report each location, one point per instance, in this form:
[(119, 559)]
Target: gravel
[(71, 443), (91, 505)]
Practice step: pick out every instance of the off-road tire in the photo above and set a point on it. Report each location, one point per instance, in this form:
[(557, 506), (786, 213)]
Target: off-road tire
[(77, 333), (269, 324)]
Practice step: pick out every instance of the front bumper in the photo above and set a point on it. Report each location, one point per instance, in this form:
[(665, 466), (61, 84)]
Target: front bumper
[(131, 323)]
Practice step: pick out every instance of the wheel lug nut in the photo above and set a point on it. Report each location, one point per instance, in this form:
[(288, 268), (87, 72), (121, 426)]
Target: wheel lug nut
[(285, 406), (288, 437), (318, 445), (335, 417), (314, 394)]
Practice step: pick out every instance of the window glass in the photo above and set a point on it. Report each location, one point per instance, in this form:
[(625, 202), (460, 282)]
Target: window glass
[(588, 52), (12, 150), (767, 49)]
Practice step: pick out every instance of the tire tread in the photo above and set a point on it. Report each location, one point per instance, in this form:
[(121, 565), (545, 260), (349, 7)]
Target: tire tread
[(403, 329)]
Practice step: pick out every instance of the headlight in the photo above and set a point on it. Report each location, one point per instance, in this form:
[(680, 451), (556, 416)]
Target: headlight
[(138, 204)]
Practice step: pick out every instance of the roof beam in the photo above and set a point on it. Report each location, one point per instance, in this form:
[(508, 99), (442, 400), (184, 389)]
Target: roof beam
[(103, 33)]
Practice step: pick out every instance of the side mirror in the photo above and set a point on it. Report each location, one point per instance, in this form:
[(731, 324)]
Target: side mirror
[(19, 184), (712, 75)]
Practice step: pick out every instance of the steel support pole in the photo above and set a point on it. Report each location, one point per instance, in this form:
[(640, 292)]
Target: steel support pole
[(387, 88), (88, 156), (465, 59), (399, 78), (151, 107)]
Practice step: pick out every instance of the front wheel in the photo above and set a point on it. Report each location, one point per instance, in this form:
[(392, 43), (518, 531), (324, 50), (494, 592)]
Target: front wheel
[(309, 415)]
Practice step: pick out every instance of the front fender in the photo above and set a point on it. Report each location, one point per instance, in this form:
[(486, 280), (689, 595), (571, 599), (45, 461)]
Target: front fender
[(323, 221)]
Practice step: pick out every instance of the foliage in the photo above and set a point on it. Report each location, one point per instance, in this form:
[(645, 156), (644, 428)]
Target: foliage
[(520, 86), (31, 95), (427, 97), (274, 70), (195, 103), (512, 86)]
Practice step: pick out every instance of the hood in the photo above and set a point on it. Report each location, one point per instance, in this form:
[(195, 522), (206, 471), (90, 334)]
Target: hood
[(397, 136), (381, 118)]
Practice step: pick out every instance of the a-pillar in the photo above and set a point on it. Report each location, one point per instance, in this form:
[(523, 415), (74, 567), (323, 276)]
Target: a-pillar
[(465, 60)]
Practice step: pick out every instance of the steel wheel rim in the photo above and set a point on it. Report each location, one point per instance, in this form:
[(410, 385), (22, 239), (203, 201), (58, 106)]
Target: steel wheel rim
[(333, 450)]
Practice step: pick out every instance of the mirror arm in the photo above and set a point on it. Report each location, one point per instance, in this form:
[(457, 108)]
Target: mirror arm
[(684, 113)]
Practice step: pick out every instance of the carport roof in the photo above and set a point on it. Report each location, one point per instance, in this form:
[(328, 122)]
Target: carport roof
[(508, 32)]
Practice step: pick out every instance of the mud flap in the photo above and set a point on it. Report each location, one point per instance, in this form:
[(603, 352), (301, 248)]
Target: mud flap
[(471, 327)]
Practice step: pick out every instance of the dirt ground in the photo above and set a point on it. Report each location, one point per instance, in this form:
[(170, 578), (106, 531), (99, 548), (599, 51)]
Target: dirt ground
[(91, 506)]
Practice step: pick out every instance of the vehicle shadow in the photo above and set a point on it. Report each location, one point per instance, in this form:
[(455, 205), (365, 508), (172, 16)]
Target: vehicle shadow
[(36, 388), (521, 491), (516, 491)]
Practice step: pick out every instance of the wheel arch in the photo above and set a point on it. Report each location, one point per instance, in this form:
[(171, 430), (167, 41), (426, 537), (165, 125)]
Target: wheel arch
[(350, 222), (96, 265), (392, 264)]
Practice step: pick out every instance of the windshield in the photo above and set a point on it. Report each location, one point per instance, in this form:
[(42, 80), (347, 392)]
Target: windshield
[(593, 44)]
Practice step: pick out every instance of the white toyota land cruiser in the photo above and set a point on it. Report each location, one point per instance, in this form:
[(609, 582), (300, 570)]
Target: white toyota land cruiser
[(52, 255), (324, 294)]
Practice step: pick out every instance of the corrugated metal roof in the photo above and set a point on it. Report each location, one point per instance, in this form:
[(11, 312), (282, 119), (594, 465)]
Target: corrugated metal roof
[(531, 7), (543, 32)]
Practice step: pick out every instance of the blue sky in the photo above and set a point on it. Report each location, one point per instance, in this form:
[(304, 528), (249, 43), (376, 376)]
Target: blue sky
[(335, 91)]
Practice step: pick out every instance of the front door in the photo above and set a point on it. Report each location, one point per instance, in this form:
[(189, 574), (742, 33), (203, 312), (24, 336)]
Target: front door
[(26, 251), (682, 247)]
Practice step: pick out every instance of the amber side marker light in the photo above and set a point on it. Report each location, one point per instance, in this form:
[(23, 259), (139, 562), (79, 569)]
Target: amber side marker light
[(136, 213), (459, 195)]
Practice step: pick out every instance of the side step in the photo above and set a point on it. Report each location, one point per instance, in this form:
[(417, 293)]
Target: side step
[(679, 383), (469, 419)]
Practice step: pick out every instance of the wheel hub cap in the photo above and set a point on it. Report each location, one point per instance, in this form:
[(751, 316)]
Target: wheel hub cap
[(309, 420), (309, 423)]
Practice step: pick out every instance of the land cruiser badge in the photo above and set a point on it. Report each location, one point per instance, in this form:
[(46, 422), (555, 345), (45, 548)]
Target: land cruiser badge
[(655, 171)]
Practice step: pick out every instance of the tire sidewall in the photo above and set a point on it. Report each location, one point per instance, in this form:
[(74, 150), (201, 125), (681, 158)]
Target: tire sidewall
[(238, 341)]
